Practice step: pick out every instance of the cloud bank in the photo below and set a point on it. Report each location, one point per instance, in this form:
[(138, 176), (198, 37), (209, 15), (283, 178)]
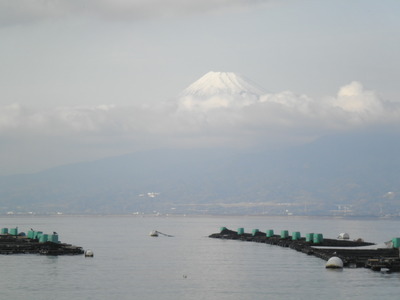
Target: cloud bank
[(352, 107), (27, 11)]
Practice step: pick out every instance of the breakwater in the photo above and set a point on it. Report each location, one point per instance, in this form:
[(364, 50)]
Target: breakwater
[(36, 242), (353, 253)]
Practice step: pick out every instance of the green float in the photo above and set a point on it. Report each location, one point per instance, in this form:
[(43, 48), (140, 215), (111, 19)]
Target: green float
[(270, 233), (43, 238), (396, 242), (240, 231), (14, 231), (255, 231), (310, 237), (53, 238), (284, 234), (318, 238), (4, 231), (296, 236), (37, 234)]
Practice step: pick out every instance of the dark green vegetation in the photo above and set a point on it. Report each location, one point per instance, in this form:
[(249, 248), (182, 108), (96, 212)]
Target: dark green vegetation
[(357, 175)]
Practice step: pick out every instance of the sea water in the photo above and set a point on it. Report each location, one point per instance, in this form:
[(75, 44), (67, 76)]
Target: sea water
[(129, 264)]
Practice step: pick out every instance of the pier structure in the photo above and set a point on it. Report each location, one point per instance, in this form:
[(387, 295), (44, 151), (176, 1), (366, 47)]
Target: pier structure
[(353, 253)]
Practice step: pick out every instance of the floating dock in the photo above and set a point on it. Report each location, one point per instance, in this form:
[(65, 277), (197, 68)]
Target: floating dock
[(354, 254), (14, 242)]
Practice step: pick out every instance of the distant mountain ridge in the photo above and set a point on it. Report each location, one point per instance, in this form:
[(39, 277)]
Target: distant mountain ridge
[(359, 171)]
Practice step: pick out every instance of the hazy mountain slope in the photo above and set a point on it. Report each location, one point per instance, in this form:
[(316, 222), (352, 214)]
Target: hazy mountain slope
[(352, 169)]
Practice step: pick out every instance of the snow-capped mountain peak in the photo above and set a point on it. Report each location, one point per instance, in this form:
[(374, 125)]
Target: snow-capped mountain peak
[(218, 83), (220, 89)]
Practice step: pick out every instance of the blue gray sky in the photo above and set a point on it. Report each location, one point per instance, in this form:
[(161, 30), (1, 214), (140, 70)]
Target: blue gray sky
[(85, 79)]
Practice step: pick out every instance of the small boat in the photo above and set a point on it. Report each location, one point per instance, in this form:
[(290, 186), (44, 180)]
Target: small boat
[(154, 233)]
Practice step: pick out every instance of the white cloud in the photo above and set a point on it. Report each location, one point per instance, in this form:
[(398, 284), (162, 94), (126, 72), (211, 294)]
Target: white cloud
[(353, 98), (9, 116), (289, 100), (352, 102), (190, 103)]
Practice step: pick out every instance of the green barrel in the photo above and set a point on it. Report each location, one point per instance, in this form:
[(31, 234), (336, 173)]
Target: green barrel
[(31, 233), (296, 235), (4, 230), (37, 234), (43, 238), (14, 231), (270, 233), (222, 229), (318, 238), (321, 237), (284, 234), (53, 238), (396, 242), (254, 231), (240, 231), (310, 237)]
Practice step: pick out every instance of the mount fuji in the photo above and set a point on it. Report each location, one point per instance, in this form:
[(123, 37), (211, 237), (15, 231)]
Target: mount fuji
[(220, 90)]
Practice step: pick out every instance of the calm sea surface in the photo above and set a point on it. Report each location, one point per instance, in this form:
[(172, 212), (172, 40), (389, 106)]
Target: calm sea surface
[(129, 264)]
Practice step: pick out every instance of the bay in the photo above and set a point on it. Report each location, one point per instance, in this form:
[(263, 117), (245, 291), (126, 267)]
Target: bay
[(129, 264)]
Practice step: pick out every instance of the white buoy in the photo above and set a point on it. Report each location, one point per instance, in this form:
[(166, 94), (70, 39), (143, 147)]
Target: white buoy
[(154, 233), (89, 253), (334, 263), (343, 236)]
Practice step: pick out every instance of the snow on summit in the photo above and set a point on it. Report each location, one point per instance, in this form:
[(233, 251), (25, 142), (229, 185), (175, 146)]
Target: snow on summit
[(222, 83), (218, 90)]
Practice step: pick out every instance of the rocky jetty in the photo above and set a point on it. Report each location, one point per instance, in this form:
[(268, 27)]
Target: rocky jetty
[(353, 253), (35, 243)]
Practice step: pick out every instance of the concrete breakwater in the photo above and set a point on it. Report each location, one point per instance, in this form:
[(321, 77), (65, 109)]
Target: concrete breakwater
[(353, 253), (14, 242)]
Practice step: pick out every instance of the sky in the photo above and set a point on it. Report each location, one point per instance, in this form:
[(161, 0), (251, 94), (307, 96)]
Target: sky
[(86, 79)]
